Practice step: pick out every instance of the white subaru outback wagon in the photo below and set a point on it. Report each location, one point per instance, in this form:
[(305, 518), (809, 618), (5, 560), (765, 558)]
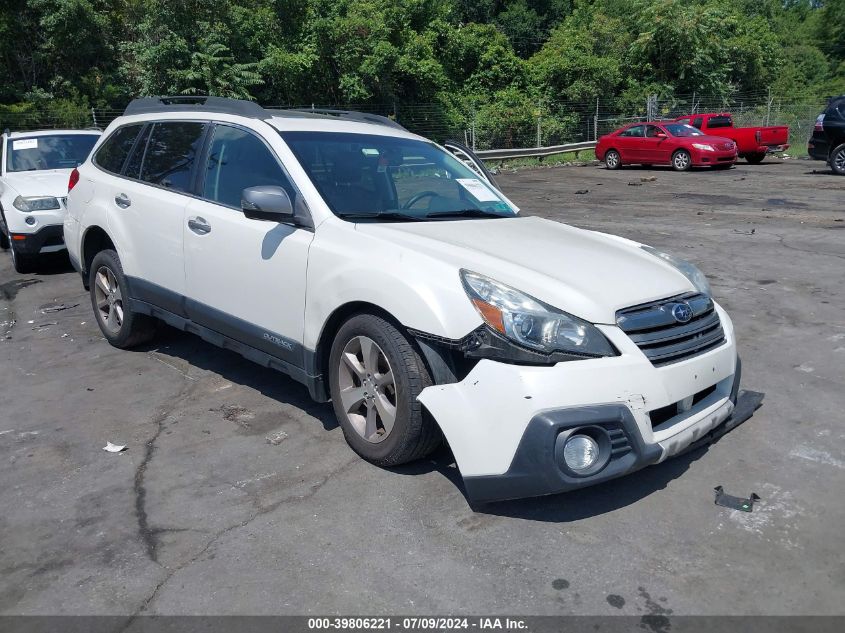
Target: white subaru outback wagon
[(392, 277), (34, 171)]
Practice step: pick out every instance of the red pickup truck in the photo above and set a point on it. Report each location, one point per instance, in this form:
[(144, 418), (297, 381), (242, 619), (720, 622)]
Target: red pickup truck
[(752, 143)]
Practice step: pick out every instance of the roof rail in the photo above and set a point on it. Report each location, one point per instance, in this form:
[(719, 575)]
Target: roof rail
[(148, 105), (241, 107), (349, 115)]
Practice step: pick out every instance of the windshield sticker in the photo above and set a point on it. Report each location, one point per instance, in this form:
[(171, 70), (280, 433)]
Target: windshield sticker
[(478, 189), (25, 143), (369, 151)]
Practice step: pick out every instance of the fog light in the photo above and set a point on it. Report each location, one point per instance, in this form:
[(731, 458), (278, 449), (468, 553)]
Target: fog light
[(30, 220), (580, 452)]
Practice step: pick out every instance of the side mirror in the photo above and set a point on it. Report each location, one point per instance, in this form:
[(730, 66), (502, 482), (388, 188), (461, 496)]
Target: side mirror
[(267, 202), (661, 135)]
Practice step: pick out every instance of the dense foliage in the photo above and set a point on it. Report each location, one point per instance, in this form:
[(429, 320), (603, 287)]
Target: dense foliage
[(492, 56)]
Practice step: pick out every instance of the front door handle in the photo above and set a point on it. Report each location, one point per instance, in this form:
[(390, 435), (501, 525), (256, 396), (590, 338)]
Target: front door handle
[(122, 201), (199, 226)]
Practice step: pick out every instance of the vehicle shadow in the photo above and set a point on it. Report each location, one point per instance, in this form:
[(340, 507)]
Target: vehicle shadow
[(236, 369), (586, 502), (561, 508)]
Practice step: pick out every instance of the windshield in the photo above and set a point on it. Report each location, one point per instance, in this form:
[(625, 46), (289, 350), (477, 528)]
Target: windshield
[(682, 129), (62, 151), (367, 176)]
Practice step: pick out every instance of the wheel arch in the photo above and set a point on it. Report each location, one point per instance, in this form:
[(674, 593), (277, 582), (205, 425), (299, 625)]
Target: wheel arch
[(94, 240)]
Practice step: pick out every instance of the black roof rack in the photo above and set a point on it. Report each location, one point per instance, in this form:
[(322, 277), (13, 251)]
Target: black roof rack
[(241, 107), (149, 105), (349, 115)]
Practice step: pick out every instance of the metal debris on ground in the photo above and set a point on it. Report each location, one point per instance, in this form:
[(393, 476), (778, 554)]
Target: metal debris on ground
[(114, 448), (276, 438), (735, 503), (648, 179), (634, 183), (582, 191)]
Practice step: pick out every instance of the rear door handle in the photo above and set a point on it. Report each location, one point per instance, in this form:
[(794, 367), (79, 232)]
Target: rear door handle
[(122, 201), (199, 226)]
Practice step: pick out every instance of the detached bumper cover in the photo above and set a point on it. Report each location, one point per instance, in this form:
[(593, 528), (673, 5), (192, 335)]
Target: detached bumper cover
[(506, 423), (47, 238)]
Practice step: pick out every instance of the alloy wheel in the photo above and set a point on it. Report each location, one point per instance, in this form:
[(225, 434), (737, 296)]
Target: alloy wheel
[(612, 160), (367, 389), (681, 160), (838, 162), (109, 299)]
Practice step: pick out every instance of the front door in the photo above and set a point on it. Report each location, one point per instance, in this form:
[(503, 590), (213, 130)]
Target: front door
[(245, 278)]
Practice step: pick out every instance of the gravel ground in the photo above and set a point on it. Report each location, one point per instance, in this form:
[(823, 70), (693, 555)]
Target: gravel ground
[(203, 515)]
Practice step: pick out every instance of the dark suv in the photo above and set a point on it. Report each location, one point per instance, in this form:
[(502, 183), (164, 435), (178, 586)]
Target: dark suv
[(828, 140)]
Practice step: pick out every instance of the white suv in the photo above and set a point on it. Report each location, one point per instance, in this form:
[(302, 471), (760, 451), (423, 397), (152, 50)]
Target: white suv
[(397, 281), (34, 171)]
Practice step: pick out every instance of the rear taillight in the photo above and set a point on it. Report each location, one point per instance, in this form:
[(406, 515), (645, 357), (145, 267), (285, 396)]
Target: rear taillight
[(74, 178), (819, 126)]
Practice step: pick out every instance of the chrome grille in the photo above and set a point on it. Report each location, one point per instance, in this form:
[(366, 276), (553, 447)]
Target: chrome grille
[(662, 338)]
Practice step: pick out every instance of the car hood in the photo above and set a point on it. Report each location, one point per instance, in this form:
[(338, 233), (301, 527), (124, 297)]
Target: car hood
[(52, 182), (708, 138), (588, 274)]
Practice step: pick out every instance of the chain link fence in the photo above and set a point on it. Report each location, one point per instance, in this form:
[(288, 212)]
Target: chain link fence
[(523, 124)]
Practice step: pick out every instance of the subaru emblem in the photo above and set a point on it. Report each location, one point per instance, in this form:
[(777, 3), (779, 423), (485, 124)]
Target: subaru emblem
[(682, 312)]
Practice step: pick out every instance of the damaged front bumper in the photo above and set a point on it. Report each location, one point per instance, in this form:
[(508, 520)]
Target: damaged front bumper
[(506, 424)]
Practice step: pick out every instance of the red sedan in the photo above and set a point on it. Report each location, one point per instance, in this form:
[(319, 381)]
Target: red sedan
[(677, 144)]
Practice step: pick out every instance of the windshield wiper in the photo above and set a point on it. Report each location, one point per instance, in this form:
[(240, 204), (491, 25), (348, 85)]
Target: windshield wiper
[(387, 215), (466, 213)]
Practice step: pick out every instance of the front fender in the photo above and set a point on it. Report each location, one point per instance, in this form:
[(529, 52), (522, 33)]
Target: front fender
[(347, 266)]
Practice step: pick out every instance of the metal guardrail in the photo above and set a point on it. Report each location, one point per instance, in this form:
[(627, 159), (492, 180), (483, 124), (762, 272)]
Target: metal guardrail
[(534, 152)]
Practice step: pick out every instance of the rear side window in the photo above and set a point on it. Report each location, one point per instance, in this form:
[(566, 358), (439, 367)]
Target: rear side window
[(719, 121), (113, 152), (171, 154), (133, 166), (238, 159), (637, 130)]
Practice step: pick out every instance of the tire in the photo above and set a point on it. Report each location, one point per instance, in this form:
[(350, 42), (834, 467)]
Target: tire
[(681, 160), (755, 159), (612, 159), (122, 328), (5, 243), (23, 263), (837, 160), (366, 350)]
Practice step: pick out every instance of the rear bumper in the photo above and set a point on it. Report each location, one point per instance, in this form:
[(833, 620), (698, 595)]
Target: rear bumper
[(47, 239)]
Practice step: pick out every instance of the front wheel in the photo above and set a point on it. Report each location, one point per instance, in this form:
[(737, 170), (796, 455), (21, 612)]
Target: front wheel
[(375, 376), (612, 160), (120, 326), (681, 160), (837, 160), (22, 262), (755, 159)]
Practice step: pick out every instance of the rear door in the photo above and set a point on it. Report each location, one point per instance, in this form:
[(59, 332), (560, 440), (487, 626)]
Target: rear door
[(245, 278), (147, 206), (629, 143)]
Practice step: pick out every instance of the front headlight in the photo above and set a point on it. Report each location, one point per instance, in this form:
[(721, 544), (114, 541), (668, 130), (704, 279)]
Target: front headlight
[(691, 272), (530, 323), (704, 147), (36, 203)]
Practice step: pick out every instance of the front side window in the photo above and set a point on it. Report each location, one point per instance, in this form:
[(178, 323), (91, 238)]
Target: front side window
[(113, 152), (237, 160), (396, 178), (171, 153), (61, 151), (682, 130), (652, 131)]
